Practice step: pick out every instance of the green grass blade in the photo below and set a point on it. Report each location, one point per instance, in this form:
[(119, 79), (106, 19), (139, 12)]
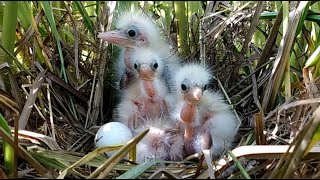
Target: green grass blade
[(25, 14), (87, 21), (314, 18), (281, 59), (315, 139), (1, 15), (87, 158), (98, 13), (9, 28), (310, 17), (8, 41), (183, 36), (238, 164), (268, 15), (303, 17), (49, 13), (49, 162), (56, 6), (123, 5), (314, 58), (90, 8), (16, 61), (136, 171), (286, 80), (7, 149)]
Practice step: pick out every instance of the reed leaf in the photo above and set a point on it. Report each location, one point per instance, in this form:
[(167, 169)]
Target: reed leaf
[(1, 15), (270, 43), (314, 58), (268, 15), (56, 7), (9, 29), (303, 18), (71, 158), (314, 18), (8, 41), (40, 49), (238, 164), (315, 34), (48, 11), (183, 33), (253, 24), (310, 17), (87, 21), (194, 13), (286, 80), (123, 5), (90, 8), (87, 158), (282, 58), (165, 9), (133, 173), (194, 7), (315, 139), (25, 14), (16, 60), (7, 149), (23, 120)]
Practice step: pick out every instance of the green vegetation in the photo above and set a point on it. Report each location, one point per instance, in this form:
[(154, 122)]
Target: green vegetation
[(59, 83)]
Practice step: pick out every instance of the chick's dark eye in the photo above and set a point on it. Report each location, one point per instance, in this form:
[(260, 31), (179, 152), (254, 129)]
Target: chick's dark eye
[(135, 66), (155, 65), (205, 87), (183, 87), (132, 33)]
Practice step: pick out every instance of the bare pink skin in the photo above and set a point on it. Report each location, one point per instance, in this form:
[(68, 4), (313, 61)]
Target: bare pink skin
[(149, 88), (147, 108), (144, 109), (118, 37), (150, 106), (187, 115), (127, 59), (132, 122), (205, 136), (166, 144)]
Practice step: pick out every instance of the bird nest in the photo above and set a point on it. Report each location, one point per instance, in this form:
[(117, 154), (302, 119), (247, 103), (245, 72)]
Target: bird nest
[(77, 108)]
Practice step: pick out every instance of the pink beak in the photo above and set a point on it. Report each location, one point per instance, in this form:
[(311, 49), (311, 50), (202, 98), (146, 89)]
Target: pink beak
[(145, 72), (147, 75), (194, 95), (117, 37)]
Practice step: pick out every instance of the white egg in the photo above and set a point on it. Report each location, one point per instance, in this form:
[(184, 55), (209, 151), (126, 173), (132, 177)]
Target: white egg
[(111, 134)]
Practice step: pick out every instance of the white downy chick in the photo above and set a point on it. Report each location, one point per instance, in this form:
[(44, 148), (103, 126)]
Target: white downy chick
[(136, 28), (149, 97), (207, 120), (163, 141)]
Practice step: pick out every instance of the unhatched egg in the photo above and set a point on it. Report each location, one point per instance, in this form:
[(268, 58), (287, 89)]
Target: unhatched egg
[(112, 134)]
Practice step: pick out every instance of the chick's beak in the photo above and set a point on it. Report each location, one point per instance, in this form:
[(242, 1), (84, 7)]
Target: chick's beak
[(147, 75), (194, 95), (117, 37), (197, 93)]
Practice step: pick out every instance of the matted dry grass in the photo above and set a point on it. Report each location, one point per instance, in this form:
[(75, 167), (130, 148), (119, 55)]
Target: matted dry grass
[(81, 106)]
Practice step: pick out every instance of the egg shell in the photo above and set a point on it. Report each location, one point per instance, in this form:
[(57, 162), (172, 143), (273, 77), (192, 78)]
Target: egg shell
[(111, 134)]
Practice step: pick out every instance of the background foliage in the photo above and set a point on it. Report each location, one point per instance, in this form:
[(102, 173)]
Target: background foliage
[(57, 81)]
